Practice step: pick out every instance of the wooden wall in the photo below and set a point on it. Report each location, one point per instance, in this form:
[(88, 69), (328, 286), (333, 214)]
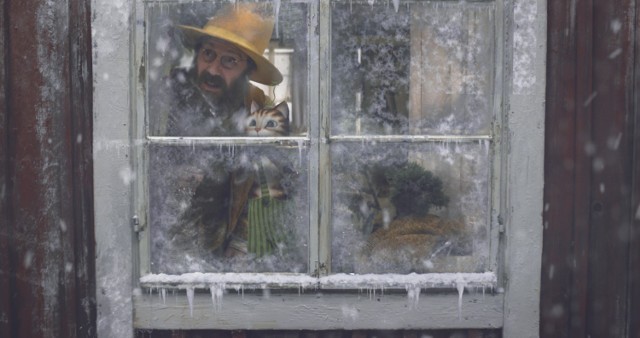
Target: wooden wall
[(590, 273), (322, 334), (591, 263), (47, 274)]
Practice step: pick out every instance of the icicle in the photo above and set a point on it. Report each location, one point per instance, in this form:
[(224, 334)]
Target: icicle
[(266, 292), (276, 10), (163, 293), (216, 296), (396, 5), (300, 146), (413, 296), (460, 286), (190, 293)]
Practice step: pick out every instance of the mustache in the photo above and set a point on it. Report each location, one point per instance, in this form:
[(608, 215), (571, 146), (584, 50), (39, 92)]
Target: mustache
[(212, 80)]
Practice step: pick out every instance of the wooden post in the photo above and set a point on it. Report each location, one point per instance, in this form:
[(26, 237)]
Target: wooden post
[(46, 260)]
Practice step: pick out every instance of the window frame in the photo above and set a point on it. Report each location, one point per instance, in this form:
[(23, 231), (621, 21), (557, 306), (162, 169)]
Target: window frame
[(511, 300)]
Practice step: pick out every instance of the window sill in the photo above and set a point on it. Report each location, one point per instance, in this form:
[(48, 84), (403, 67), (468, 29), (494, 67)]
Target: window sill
[(198, 280), (318, 309)]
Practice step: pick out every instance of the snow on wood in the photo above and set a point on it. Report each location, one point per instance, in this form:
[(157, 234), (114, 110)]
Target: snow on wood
[(337, 281)]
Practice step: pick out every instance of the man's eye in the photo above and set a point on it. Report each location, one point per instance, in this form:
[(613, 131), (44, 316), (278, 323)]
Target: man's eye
[(228, 61), (209, 54)]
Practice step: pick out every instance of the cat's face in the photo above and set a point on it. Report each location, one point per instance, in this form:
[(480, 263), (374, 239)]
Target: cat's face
[(268, 121)]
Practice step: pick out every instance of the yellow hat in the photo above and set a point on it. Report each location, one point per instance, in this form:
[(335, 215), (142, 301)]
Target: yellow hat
[(244, 29)]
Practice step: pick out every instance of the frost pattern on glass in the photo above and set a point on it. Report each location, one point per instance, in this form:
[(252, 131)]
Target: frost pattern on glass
[(524, 46), (166, 55), (389, 215), (423, 68), (209, 205)]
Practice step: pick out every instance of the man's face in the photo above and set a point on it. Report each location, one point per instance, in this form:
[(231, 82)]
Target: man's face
[(220, 68)]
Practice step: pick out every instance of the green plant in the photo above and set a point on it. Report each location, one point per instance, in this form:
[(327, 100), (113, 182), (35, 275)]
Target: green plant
[(414, 190)]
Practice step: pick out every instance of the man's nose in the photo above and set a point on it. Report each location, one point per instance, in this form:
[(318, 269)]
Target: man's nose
[(214, 67)]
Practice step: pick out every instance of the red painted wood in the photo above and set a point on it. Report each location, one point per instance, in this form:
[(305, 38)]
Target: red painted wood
[(611, 179), (561, 165), (634, 245), (584, 148), (47, 255), (589, 213), (6, 278), (81, 141)]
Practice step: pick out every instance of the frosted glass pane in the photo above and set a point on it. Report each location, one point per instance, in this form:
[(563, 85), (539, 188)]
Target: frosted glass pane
[(168, 61), (216, 209), (425, 68), (402, 208)]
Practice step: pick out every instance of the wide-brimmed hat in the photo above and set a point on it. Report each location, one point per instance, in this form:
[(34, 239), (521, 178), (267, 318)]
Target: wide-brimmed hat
[(246, 30)]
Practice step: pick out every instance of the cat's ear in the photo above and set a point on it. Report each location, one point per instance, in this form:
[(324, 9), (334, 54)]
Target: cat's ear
[(283, 108), (254, 107)]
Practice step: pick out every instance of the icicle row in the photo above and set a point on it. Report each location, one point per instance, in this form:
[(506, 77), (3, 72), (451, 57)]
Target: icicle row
[(217, 292)]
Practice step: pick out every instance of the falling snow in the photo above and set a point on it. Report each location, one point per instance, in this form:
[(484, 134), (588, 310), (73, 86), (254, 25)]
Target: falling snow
[(456, 81)]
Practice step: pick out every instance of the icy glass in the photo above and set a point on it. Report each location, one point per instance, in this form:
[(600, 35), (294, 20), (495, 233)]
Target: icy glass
[(412, 68), (228, 208), (402, 208), (165, 53)]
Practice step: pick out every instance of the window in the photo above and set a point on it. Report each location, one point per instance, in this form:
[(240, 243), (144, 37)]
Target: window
[(393, 181)]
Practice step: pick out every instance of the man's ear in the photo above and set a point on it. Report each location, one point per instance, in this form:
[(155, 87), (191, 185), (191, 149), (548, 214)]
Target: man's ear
[(254, 107)]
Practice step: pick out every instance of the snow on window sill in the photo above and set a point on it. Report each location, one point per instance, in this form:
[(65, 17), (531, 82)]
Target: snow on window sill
[(413, 283), (341, 281)]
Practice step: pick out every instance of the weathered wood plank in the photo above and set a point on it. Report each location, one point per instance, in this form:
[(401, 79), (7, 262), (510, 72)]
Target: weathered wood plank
[(6, 278), (324, 311), (46, 175), (28, 133), (80, 139), (634, 246), (590, 96), (560, 168), (610, 183)]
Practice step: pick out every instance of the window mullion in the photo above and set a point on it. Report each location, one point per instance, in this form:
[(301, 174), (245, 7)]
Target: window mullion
[(139, 149), (498, 185), (324, 187), (314, 134)]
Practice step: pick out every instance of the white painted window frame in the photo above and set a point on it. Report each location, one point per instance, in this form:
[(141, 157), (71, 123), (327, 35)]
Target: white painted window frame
[(269, 302)]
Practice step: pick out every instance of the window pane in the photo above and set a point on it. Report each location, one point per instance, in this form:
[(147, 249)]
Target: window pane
[(423, 68), (221, 208), (402, 208), (176, 106)]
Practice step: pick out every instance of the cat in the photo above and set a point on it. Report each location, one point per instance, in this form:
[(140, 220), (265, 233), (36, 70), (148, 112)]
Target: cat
[(266, 203), (268, 121)]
